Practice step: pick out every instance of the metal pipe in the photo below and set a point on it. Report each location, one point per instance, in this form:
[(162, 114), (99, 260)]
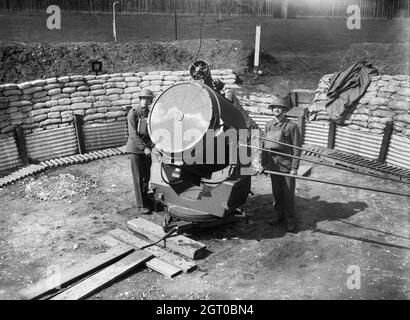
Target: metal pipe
[(323, 155), (326, 164), (336, 183)]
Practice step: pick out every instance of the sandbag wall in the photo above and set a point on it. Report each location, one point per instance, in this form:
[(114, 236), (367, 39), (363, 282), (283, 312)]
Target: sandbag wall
[(386, 101), (45, 110)]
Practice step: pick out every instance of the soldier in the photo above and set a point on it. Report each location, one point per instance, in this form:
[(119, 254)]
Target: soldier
[(139, 146), (281, 129)]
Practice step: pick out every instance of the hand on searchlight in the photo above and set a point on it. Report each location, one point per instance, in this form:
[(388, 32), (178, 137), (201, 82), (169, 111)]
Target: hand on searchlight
[(294, 172), (147, 151)]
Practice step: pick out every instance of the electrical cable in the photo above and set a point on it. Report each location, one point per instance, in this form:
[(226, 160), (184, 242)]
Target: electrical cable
[(167, 235), (167, 182)]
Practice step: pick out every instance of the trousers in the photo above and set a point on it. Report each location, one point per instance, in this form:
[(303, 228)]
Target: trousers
[(283, 189), (141, 174)]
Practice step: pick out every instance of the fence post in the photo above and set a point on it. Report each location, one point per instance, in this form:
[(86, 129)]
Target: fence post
[(21, 145), (332, 134), (388, 129), (78, 124), (301, 124)]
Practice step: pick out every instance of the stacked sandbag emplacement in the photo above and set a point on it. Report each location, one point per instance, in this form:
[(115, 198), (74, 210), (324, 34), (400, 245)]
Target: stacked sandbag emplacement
[(257, 107), (49, 104), (45, 110), (387, 99)]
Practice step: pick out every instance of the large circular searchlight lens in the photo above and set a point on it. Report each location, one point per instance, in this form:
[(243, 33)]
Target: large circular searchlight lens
[(180, 117)]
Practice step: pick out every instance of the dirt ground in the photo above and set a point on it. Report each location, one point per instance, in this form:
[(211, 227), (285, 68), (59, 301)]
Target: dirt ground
[(253, 261)]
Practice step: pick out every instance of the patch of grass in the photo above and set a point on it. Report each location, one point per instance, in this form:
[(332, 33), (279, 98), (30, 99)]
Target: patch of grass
[(21, 61)]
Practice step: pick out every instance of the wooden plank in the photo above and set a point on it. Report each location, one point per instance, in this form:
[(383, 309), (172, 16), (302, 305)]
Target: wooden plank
[(49, 164), (95, 155), (14, 175), (81, 156), (110, 152), (181, 244), (78, 125), (92, 155), (73, 273), (21, 145), (331, 135), (65, 160), (388, 129), (29, 169), (61, 163), (109, 241), (122, 149), (169, 257), (155, 264), (102, 155), (104, 277), (72, 159), (163, 267), (55, 163), (75, 158), (87, 156), (104, 152), (115, 152)]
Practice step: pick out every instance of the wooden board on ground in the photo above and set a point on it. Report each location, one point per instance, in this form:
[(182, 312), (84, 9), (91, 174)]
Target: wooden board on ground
[(304, 171), (75, 272), (102, 278), (168, 257), (155, 264), (122, 149), (181, 244)]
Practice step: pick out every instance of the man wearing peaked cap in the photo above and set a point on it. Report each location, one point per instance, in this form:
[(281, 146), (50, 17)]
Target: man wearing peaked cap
[(139, 146)]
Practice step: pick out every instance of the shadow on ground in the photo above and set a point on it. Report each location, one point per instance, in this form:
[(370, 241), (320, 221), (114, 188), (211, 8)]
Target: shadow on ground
[(259, 209)]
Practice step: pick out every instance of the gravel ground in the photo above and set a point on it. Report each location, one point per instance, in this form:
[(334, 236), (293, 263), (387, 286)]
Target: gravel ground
[(253, 261)]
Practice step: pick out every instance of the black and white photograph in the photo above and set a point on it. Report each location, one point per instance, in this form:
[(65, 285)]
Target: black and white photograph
[(202, 156)]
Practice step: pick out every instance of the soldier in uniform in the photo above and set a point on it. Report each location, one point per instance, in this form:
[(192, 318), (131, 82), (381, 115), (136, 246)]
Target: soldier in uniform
[(281, 129), (139, 146)]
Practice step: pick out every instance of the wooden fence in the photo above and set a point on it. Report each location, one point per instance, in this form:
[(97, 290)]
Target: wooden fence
[(275, 8)]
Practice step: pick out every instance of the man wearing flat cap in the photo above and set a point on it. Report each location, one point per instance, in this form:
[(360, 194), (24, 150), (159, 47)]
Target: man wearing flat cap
[(139, 146), (282, 129)]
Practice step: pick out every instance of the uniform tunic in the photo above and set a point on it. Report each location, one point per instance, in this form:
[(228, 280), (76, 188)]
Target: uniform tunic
[(140, 163), (283, 188)]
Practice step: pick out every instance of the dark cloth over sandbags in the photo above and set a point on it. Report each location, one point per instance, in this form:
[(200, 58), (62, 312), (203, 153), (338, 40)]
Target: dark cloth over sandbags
[(347, 87)]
